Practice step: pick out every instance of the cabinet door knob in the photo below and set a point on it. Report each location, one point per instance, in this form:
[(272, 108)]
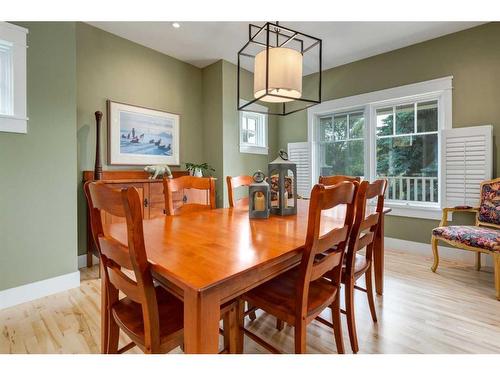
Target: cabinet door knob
[(145, 202)]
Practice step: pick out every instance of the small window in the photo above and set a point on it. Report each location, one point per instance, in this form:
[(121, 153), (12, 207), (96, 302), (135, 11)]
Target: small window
[(253, 133), (12, 78)]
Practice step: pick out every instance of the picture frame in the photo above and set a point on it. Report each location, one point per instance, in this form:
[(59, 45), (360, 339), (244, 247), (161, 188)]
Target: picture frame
[(141, 136)]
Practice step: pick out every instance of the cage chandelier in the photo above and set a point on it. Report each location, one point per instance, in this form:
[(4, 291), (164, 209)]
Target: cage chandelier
[(278, 57)]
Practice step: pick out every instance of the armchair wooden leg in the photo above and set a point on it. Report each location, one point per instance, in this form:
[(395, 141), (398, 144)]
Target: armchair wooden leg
[(496, 265), (434, 243), (478, 261)]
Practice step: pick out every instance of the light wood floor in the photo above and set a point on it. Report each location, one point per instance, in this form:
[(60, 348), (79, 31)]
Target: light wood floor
[(453, 311)]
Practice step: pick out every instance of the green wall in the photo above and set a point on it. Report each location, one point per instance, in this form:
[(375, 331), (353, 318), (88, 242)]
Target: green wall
[(38, 188), (471, 56), (235, 162), (221, 128), (212, 124), (110, 67)]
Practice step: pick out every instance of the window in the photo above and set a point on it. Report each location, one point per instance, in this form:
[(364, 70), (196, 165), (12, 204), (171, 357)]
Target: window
[(341, 144), (253, 133), (407, 151), (393, 134), (12, 78)]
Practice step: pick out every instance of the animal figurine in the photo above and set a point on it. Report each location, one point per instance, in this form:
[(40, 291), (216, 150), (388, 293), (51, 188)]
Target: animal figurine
[(156, 171)]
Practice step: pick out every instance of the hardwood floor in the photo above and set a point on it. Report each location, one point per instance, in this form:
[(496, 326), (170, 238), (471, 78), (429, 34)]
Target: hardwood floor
[(452, 311)]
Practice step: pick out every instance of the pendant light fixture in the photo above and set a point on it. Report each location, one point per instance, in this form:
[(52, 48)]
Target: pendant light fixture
[(276, 57)]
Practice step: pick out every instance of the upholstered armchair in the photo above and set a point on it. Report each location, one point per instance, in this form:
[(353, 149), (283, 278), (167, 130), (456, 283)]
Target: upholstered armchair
[(483, 237)]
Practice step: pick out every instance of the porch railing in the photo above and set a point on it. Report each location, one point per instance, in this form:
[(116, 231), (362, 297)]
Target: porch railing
[(415, 189)]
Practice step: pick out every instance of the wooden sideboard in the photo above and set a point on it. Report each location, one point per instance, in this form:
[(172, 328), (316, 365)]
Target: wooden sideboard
[(151, 192)]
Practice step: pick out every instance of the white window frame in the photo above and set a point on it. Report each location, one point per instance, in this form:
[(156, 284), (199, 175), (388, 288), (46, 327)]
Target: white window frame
[(16, 120), (260, 130), (439, 89)]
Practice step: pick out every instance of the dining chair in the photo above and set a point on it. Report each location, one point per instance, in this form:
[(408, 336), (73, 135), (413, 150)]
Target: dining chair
[(184, 184), (356, 265), (234, 183), (333, 180), (150, 316), (298, 296)]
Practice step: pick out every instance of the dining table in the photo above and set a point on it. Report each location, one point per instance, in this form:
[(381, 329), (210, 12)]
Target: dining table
[(210, 257)]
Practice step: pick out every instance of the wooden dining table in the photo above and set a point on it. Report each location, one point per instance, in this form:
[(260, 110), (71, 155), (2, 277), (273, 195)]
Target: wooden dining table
[(208, 258)]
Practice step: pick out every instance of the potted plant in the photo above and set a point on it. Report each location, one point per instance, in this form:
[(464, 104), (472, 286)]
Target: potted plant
[(198, 170)]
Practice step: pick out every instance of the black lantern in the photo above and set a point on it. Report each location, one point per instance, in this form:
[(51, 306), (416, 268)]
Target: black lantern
[(283, 181), (258, 197), (271, 70)]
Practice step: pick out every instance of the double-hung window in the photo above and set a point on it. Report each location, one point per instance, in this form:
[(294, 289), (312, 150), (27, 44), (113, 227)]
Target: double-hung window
[(407, 151), (253, 133), (341, 144), (392, 134), (12, 78)]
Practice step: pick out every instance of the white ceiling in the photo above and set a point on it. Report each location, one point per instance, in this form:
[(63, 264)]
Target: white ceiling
[(202, 43)]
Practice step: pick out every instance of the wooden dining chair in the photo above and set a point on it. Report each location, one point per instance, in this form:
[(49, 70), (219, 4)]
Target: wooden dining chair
[(333, 180), (356, 265), (150, 316), (298, 296), (234, 183), (182, 185)]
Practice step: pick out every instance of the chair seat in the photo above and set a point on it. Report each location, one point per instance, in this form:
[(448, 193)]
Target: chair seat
[(278, 296), (480, 237), (128, 314)]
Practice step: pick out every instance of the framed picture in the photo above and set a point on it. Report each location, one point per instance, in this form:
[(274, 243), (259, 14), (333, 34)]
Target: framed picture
[(142, 136)]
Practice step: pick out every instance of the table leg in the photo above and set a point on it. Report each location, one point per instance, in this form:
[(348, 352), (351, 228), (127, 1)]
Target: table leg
[(378, 257), (201, 322)]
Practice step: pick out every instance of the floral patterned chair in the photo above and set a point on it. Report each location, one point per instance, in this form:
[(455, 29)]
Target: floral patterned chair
[(483, 237)]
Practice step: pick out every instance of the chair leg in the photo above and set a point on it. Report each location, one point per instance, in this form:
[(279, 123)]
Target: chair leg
[(252, 315), (231, 331), (478, 261), (279, 324), (300, 337), (496, 265), (240, 324), (351, 322), (434, 243), (337, 324), (113, 328), (369, 293), (105, 315)]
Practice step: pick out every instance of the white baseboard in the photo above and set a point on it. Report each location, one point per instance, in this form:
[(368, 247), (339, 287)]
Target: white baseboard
[(82, 260), (445, 252), (29, 292)]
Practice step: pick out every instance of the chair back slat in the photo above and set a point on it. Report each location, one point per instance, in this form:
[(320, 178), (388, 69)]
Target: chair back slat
[(113, 254), (174, 185), (325, 264), (334, 180), (324, 253), (364, 227), (125, 284), (331, 239), (116, 252), (234, 183)]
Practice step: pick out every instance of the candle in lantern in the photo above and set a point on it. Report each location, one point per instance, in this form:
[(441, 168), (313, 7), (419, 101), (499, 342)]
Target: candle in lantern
[(259, 201)]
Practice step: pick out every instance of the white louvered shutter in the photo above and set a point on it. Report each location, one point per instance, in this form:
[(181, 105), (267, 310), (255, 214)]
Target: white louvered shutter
[(300, 154), (467, 160)]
